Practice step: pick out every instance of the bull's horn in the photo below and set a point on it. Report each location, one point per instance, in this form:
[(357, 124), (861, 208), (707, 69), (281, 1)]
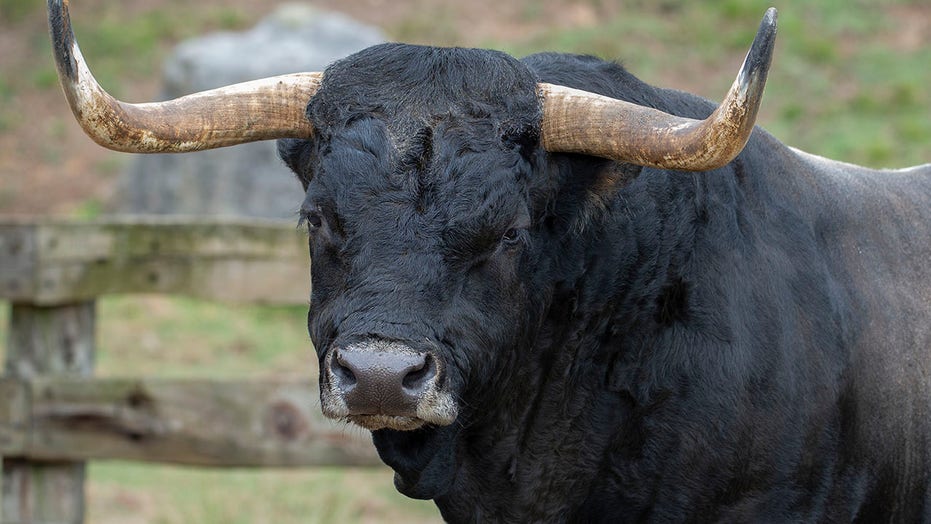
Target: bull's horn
[(577, 121), (257, 110)]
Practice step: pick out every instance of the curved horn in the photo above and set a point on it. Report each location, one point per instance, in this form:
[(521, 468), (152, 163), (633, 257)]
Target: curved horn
[(577, 121), (258, 110)]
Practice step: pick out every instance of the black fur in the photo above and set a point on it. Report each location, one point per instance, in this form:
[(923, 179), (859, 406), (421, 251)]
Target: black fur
[(646, 345)]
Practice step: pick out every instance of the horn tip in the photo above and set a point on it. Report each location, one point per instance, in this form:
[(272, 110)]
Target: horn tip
[(59, 20), (766, 35), (770, 16), (759, 58)]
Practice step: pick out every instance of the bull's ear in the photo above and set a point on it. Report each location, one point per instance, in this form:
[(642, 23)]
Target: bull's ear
[(296, 154), (584, 199)]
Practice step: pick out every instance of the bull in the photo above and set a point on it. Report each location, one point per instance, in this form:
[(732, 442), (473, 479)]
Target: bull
[(555, 293)]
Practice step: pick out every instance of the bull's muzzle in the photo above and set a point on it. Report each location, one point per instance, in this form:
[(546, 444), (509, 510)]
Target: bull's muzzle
[(379, 384)]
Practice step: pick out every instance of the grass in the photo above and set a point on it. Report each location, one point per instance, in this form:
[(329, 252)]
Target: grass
[(111, 36), (16, 10), (193, 338), (171, 495), (4, 322), (838, 87), (7, 119), (438, 25)]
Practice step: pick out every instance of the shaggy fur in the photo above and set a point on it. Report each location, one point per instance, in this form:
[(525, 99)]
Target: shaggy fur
[(624, 344)]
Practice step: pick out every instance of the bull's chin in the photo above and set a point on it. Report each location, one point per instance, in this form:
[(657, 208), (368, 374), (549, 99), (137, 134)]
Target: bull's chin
[(397, 423), (424, 461)]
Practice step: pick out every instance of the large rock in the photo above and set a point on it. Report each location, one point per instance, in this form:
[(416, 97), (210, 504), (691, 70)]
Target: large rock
[(249, 179)]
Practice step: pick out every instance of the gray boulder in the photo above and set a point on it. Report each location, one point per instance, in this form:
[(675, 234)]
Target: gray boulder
[(246, 180)]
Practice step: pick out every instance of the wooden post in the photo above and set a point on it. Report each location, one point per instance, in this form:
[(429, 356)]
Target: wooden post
[(47, 340)]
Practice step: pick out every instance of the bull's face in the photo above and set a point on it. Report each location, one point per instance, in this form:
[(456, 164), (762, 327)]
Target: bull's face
[(419, 270), (421, 235)]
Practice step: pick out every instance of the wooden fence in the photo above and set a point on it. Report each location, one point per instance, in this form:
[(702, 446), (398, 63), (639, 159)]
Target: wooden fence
[(54, 415)]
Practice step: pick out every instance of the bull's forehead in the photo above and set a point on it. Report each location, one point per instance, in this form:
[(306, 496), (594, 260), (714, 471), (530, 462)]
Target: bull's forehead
[(412, 139), (447, 183)]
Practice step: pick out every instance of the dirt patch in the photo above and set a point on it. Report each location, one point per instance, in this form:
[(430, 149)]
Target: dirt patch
[(912, 30)]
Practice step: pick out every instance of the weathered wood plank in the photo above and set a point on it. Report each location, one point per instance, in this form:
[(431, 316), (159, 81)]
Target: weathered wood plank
[(55, 341), (51, 341), (15, 416), (191, 422), (49, 492), (231, 261)]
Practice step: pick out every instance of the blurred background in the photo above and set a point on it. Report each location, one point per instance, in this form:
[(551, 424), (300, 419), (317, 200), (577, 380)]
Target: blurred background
[(849, 81)]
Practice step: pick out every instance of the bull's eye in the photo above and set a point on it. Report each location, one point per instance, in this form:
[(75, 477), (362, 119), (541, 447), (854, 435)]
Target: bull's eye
[(313, 220), (511, 236)]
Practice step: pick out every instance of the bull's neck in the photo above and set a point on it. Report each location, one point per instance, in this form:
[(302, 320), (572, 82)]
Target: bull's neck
[(627, 279), (563, 410)]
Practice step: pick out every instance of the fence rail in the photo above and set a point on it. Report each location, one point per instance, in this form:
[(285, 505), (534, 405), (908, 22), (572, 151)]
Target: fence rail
[(54, 415), (259, 261), (189, 422)]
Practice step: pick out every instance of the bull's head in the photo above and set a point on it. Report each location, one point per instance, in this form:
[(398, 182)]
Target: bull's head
[(428, 199)]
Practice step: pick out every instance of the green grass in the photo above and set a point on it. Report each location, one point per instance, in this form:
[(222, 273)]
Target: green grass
[(182, 337), (107, 40), (90, 209), (4, 323), (172, 495), (837, 87), (16, 10), (436, 26), (6, 91), (8, 119), (109, 37)]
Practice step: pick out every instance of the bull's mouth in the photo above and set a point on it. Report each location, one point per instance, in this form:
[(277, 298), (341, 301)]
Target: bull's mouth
[(436, 410), (376, 422), (444, 416)]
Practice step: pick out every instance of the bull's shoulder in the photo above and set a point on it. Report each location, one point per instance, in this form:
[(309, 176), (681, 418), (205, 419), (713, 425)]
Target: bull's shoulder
[(919, 175), (852, 197)]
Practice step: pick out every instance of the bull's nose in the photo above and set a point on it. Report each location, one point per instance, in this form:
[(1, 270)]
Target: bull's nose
[(382, 382)]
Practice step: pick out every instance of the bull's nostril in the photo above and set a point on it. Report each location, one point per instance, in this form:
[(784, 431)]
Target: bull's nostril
[(415, 381), (343, 375)]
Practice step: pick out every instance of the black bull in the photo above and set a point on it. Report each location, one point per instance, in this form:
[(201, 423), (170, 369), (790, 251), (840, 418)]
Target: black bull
[(542, 336)]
